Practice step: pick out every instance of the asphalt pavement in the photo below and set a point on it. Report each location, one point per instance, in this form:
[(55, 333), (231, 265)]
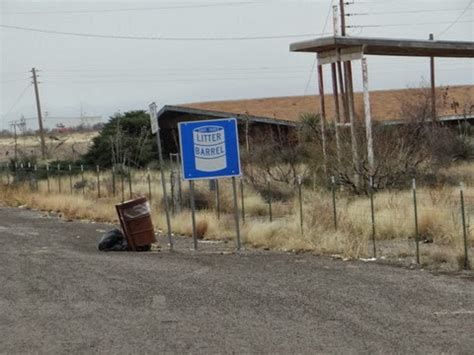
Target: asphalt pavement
[(59, 294)]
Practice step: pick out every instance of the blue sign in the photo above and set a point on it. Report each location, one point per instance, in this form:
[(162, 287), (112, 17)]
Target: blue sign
[(209, 149)]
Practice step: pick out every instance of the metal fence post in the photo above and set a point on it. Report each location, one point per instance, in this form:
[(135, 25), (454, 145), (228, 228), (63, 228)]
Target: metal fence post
[(300, 199), (130, 182), (30, 182), (113, 181), (148, 178), (372, 212), (8, 173), (270, 214), (70, 178), (236, 212), (98, 181), (175, 158), (218, 201), (47, 178), (35, 168), (122, 182), (59, 178), (334, 208), (83, 183), (464, 228), (193, 212), (180, 191), (417, 234), (173, 206)]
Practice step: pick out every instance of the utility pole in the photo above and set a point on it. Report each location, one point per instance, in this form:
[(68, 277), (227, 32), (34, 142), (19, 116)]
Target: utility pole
[(349, 98), (343, 18), (40, 116), (347, 65)]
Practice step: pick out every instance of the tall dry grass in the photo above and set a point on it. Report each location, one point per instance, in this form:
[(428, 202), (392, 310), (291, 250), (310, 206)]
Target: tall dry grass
[(438, 210)]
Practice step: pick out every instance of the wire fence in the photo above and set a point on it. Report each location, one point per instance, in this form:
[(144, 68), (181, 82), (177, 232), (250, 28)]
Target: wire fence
[(380, 214)]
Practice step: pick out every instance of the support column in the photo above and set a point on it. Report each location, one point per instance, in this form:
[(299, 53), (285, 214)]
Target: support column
[(350, 85), (342, 89), (323, 114), (433, 85), (350, 106), (368, 117), (337, 117)]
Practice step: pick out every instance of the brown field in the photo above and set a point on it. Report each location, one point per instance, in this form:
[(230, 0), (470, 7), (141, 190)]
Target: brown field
[(386, 105), (59, 146)]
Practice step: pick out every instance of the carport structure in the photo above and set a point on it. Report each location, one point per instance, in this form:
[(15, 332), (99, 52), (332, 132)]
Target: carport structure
[(340, 51)]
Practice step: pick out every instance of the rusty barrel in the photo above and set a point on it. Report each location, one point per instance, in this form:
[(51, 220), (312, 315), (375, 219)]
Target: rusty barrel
[(135, 219)]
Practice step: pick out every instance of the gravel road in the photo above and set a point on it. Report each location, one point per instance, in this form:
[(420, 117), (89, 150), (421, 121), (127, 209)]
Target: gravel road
[(59, 295)]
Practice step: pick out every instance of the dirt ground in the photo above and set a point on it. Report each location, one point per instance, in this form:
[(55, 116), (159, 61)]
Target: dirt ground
[(59, 294)]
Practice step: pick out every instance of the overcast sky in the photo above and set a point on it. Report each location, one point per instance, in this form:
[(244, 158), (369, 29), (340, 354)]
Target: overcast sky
[(104, 75)]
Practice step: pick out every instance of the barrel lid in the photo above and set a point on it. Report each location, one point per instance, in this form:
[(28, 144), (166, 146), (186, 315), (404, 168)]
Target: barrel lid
[(131, 203)]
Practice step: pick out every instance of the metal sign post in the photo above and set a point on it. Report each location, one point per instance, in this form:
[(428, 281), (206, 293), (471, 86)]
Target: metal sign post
[(210, 150), (242, 201), (236, 213), (156, 129), (193, 212), (174, 159)]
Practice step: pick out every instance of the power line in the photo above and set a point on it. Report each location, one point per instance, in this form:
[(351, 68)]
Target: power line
[(172, 78), (172, 73), (173, 81), (18, 99), (399, 12), (378, 2), (172, 7), (405, 24), (159, 38), (11, 81), (456, 20)]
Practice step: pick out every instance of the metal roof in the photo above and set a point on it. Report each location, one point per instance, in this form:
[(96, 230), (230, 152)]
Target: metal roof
[(169, 113), (388, 46)]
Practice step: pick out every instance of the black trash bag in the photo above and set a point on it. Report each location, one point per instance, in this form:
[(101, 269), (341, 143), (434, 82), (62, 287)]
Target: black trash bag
[(143, 248), (113, 240)]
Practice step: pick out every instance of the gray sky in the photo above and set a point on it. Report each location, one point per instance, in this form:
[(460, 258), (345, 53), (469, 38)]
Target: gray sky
[(108, 75)]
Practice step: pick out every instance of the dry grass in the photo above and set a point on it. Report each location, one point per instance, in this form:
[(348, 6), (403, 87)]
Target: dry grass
[(75, 144), (463, 172), (438, 209)]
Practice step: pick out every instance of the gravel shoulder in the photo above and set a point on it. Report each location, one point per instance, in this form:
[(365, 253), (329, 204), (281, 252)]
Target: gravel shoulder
[(59, 294)]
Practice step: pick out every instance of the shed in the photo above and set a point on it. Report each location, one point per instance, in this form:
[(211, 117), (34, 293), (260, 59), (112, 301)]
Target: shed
[(248, 125)]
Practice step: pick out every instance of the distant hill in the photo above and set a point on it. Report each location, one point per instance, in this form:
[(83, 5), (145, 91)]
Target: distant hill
[(386, 105)]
